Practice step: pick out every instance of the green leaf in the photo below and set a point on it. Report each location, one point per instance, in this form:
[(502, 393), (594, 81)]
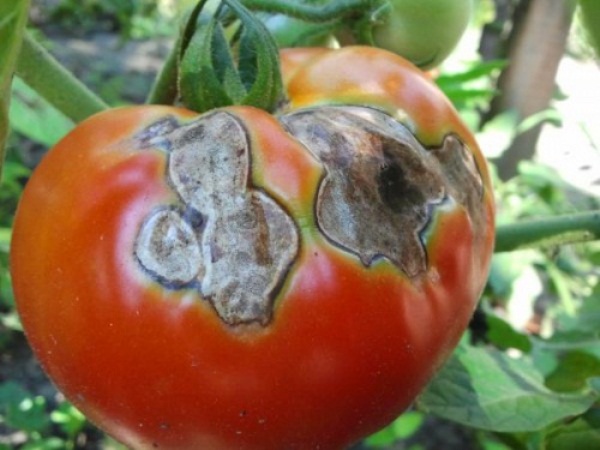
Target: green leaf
[(5, 234), (13, 17), (571, 340), (259, 61), (590, 12), (69, 418), (573, 371), (472, 86), (484, 388), (504, 336), (587, 319), (402, 428), (209, 75), (582, 433), (549, 115), (481, 69), (21, 410), (52, 443), (35, 118), (201, 83)]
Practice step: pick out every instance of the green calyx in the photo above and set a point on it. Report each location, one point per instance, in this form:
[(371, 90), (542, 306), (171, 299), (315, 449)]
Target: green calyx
[(228, 58)]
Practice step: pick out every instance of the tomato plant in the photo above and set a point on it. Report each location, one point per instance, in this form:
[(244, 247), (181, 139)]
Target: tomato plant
[(239, 279)]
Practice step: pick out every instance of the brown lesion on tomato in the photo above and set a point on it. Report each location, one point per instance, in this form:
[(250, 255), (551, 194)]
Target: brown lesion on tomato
[(381, 187), (462, 174), (228, 239)]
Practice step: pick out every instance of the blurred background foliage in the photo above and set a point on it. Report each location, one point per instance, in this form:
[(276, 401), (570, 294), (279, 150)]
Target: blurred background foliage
[(532, 353)]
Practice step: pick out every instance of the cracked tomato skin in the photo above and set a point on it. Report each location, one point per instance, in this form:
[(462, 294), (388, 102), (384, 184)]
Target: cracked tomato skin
[(342, 346)]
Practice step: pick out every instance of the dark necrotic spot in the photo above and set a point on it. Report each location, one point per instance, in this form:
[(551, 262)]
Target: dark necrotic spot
[(193, 217), (155, 134), (395, 190)]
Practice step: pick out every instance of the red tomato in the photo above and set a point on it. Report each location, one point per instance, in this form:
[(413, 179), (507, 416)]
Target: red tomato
[(240, 280)]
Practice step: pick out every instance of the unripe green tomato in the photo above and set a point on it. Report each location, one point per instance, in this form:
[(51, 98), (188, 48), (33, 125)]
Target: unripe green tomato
[(422, 31), (289, 32)]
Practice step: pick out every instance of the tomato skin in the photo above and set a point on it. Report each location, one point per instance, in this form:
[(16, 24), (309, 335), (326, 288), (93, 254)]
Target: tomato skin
[(347, 349), (366, 75)]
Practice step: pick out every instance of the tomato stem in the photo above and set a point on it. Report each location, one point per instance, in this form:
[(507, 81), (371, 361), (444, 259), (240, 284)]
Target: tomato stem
[(42, 72), (313, 13), (548, 232), (14, 19)]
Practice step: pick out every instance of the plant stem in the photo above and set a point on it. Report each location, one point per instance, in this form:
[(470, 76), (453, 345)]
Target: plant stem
[(312, 13), (42, 72), (13, 18), (548, 232)]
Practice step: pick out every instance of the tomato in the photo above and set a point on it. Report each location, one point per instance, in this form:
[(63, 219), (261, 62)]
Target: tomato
[(422, 31), (242, 280)]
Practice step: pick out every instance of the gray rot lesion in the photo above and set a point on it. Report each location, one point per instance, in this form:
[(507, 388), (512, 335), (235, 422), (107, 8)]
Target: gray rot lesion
[(381, 187), (228, 239)]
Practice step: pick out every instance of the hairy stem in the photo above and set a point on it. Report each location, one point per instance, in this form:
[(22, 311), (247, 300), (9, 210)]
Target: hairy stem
[(548, 232), (42, 72), (13, 18), (313, 13)]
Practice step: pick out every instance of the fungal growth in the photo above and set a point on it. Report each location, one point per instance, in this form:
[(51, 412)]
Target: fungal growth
[(226, 238), (381, 186)]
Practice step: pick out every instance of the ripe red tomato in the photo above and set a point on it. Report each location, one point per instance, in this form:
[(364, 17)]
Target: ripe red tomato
[(240, 280)]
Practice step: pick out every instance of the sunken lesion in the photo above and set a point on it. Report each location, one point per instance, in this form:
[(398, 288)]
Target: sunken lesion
[(461, 171), (168, 247), (381, 187), (230, 240), (154, 134)]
